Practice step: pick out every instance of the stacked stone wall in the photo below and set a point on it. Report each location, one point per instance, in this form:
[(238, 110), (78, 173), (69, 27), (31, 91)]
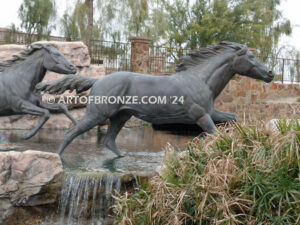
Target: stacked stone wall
[(252, 99)]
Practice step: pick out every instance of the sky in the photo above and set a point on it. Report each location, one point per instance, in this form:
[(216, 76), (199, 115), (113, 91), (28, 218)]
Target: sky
[(290, 10)]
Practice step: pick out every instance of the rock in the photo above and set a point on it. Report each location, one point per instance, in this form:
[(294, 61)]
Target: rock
[(26, 176), (141, 175), (6, 208), (7, 51), (76, 52), (30, 178), (271, 125), (94, 71), (161, 169)]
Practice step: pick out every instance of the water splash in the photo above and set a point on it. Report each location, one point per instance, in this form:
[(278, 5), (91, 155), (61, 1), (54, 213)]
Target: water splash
[(87, 199)]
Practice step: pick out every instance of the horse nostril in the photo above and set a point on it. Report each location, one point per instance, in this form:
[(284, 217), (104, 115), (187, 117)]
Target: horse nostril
[(72, 67), (271, 73)]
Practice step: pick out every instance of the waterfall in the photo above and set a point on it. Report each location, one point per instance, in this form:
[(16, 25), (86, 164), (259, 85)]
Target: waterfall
[(87, 199)]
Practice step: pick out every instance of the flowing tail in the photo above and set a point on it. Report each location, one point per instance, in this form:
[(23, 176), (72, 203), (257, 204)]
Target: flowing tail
[(69, 82)]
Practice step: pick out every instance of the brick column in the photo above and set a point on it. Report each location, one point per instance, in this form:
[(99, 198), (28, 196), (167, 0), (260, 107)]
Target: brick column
[(140, 54)]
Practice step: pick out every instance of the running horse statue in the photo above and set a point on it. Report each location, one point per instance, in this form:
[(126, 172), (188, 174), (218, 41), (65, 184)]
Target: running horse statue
[(18, 78), (199, 80)]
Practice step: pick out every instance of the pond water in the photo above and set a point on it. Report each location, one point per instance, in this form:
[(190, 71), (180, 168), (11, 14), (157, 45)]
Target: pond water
[(144, 148), (93, 175)]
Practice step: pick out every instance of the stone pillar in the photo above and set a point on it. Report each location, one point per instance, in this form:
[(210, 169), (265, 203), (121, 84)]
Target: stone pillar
[(140, 54), (253, 50)]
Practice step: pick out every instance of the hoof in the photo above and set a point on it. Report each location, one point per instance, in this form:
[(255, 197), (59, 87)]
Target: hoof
[(26, 135), (121, 154), (236, 118), (116, 151)]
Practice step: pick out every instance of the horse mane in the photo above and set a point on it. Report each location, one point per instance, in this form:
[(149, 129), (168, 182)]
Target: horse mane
[(202, 55), (23, 55)]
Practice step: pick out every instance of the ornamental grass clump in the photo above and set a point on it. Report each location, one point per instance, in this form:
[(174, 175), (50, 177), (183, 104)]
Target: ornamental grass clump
[(242, 175)]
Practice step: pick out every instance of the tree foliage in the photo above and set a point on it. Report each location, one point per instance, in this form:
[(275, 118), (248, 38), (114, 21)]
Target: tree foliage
[(77, 24), (256, 23), (36, 16), (184, 23), (69, 27)]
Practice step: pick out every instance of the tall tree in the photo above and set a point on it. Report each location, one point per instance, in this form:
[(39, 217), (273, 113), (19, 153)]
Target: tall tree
[(93, 20), (69, 27), (138, 15), (81, 14), (89, 4), (257, 23), (36, 16)]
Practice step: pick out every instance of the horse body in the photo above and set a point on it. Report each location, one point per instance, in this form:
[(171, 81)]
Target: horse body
[(19, 77), (23, 89), (199, 80), (133, 84)]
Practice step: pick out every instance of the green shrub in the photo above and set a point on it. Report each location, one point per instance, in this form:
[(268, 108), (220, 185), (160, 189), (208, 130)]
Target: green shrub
[(242, 175)]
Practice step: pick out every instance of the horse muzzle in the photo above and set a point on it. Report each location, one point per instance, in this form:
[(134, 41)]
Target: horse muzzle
[(270, 77)]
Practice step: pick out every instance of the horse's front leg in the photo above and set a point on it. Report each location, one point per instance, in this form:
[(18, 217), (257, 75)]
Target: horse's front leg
[(58, 108), (29, 108), (219, 116), (202, 119)]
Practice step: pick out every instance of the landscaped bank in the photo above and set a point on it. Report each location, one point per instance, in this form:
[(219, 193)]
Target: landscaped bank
[(243, 175)]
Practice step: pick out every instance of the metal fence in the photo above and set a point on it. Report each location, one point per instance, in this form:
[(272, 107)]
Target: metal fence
[(285, 70), (163, 60), (114, 56), (15, 37)]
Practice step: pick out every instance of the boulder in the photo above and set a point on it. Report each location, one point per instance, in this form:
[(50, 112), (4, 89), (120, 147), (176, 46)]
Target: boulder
[(30, 178), (76, 52), (272, 125), (24, 177), (7, 51)]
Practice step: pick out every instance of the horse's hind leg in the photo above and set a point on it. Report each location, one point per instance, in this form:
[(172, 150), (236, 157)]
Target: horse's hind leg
[(116, 124), (58, 108), (87, 123)]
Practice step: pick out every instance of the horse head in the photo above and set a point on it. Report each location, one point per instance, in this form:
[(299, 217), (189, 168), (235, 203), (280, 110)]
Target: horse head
[(246, 64), (55, 61)]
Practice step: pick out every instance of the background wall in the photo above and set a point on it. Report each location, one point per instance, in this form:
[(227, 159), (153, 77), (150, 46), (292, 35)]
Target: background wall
[(254, 99)]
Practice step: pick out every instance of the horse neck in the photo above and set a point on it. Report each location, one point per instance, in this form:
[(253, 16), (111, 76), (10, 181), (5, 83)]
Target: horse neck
[(34, 71), (219, 76)]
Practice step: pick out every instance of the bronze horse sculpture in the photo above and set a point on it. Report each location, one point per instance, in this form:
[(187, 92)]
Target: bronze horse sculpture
[(19, 77), (199, 80)]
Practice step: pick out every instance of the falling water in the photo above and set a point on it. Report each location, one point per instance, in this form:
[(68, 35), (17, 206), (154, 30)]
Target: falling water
[(87, 199)]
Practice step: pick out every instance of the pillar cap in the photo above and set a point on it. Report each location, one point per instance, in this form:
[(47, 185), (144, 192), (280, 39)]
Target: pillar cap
[(140, 40), (253, 50)]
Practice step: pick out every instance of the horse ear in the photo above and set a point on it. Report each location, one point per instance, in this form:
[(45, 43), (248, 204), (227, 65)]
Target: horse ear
[(243, 51), (37, 45)]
